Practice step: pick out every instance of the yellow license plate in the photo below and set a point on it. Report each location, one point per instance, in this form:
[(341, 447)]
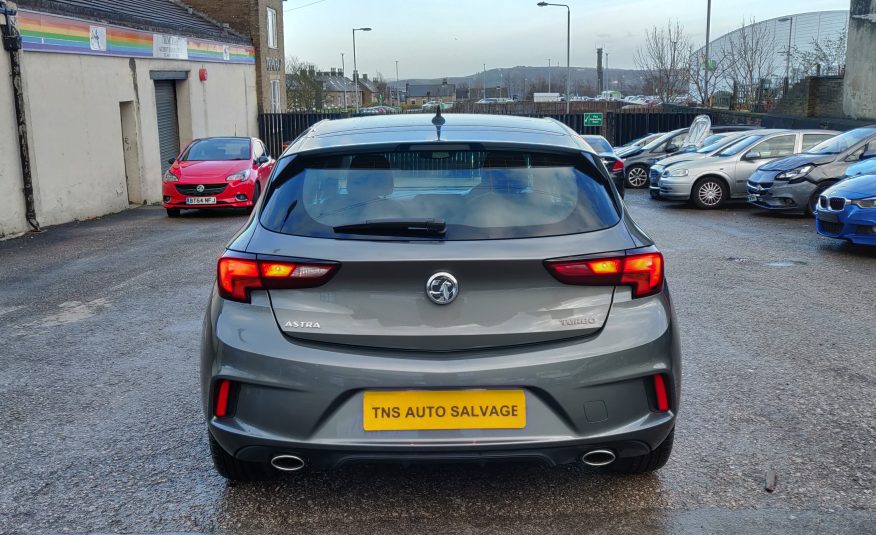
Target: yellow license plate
[(444, 409)]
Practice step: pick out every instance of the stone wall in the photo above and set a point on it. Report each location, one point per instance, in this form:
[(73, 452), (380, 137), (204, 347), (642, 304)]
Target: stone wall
[(859, 92)]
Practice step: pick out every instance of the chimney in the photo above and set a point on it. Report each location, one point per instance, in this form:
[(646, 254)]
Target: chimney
[(334, 71), (365, 77)]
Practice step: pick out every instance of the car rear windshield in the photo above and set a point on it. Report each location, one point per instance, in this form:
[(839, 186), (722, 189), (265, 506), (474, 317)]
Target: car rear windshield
[(843, 142), (599, 144), (470, 195), (217, 149)]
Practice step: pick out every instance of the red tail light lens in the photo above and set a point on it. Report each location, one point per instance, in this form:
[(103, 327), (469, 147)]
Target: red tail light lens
[(223, 392), (642, 271), (240, 274), (617, 167), (237, 277), (662, 394)]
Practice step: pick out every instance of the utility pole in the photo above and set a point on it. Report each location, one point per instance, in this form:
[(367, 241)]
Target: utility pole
[(549, 75), (706, 95), (397, 97), (344, 80), (485, 80)]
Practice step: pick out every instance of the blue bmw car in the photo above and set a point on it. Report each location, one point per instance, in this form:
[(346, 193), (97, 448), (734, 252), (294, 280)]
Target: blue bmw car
[(847, 210)]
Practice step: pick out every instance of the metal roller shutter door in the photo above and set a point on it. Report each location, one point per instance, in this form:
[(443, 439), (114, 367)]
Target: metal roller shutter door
[(168, 124)]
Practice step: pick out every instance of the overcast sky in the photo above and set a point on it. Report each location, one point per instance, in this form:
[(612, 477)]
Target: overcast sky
[(431, 39)]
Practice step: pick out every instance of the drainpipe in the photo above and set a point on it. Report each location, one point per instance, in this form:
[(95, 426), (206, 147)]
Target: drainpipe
[(12, 44)]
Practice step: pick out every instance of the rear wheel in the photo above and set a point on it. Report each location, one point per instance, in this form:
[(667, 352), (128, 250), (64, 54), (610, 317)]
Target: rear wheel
[(709, 193), (645, 463), (637, 176), (235, 469), (173, 212)]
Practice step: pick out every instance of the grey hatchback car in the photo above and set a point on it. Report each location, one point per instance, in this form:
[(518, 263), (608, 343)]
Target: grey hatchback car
[(468, 288)]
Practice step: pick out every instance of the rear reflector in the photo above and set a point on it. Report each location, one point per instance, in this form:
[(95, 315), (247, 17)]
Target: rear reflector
[(642, 271), (617, 167), (223, 390), (662, 395), (239, 274)]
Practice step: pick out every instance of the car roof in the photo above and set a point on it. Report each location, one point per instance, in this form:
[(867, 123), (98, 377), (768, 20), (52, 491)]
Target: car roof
[(418, 128)]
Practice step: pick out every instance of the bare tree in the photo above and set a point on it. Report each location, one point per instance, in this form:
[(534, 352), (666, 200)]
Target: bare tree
[(824, 56), (703, 75), (304, 90), (750, 62), (664, 60)]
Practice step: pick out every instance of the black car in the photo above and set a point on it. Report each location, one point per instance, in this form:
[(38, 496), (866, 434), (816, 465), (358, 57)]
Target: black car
[(609, 157)]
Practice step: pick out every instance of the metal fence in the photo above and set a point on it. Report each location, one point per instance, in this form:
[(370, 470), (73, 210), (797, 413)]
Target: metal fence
[(279, 129)]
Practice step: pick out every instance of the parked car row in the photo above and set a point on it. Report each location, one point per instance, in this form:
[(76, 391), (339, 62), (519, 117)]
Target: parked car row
[(828, 174)]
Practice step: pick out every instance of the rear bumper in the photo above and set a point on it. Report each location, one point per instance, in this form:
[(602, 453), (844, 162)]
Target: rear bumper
[(306, 399)]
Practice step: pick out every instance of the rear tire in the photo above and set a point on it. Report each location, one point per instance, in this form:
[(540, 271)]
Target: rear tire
[(173, 212), (709, 193), (236, 470), (645, 463), (637, 176)]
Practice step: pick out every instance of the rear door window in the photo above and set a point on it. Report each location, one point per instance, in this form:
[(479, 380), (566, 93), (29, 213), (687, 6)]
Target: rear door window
[(775, 147), (810, 140), (476, 194)]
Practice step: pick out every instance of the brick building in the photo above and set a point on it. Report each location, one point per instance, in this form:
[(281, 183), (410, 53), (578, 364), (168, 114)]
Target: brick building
[(419, 94), (262, 21)]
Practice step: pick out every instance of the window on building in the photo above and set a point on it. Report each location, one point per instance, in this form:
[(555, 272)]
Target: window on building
[(272, 28), (275, 96)]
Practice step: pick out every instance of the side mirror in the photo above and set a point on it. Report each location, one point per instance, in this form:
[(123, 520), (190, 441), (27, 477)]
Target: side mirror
[(752, 156), (868, 154), (671, 148), (263, 159), (170, 161)]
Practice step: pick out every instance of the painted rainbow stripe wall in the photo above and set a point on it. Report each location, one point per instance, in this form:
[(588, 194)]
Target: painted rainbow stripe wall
[(50, 33)]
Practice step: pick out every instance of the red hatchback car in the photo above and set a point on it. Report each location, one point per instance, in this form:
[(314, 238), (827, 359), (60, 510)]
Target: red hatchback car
[(215, 172)]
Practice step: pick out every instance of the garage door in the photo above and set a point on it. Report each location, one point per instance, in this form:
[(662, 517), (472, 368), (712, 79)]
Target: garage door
[(168, 124)]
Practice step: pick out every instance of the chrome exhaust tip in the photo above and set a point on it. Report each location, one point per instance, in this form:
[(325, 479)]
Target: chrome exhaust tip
[(287, 463), (598, 457)]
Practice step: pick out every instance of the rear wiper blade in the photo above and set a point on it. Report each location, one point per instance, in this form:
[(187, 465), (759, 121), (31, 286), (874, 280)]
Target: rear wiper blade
[(394, 227)]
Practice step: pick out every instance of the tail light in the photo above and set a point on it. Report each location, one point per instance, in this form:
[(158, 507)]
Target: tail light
[(617, 167), (661, 393), (642, 271), (239, 274), (223, 392)]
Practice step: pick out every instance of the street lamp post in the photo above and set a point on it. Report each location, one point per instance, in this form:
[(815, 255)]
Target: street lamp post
[(790, 22), (355, 71), (397, 94), (568, 47), (344, 81), (549, 75), (706, 59), (485, 81)]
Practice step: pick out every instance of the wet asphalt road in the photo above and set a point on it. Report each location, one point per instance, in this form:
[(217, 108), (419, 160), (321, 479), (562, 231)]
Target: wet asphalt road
[(102, 430)]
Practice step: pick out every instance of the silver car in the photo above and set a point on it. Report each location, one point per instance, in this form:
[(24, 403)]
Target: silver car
[(465, 288), (710, 182), (712, 145)]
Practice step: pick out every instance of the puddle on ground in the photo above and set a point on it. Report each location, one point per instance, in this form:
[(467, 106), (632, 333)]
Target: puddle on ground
[(786, 263)]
